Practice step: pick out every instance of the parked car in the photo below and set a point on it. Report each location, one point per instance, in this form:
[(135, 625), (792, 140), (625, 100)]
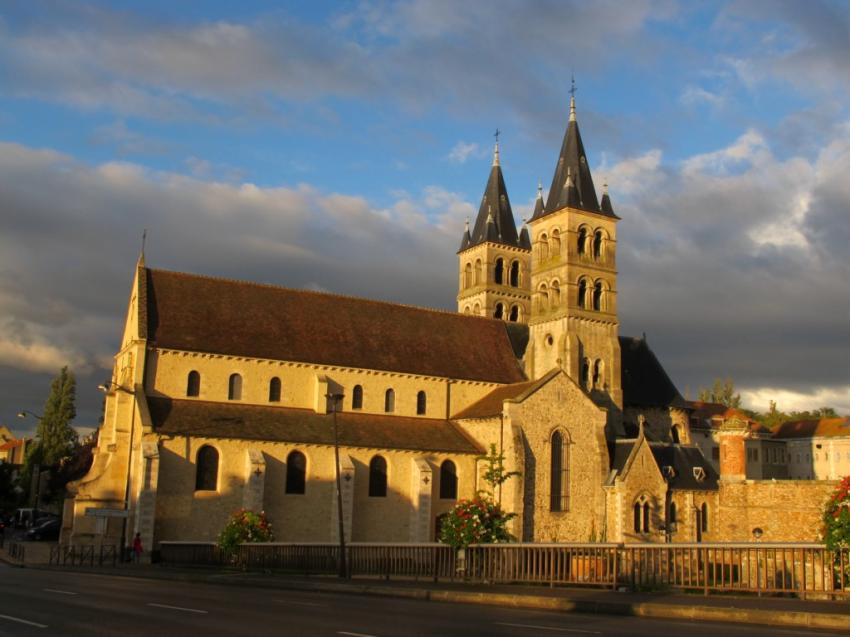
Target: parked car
[(46, 530), (24, 517)]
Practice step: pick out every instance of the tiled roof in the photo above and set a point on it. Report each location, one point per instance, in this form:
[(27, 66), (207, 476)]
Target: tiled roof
[(305, 426), (493, 403), (824, 427), (237, 318)]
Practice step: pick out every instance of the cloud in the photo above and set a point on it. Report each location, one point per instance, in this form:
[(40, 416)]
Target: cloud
[(760, 398), (462, 151), (696, 95)]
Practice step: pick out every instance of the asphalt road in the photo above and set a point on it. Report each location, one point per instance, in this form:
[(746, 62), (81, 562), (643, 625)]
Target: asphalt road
[(40, 602)]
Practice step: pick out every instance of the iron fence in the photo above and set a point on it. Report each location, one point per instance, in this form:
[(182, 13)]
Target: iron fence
[(795, 568), (17, 551), (83, 555)]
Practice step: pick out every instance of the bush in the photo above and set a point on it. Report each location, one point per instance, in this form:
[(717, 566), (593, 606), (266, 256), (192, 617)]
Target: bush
[(836, 517), (245, 526), (478, 521)]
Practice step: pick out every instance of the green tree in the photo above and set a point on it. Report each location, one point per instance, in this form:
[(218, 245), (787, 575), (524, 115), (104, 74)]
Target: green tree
[(722, 392), (55, 436), (494, 473)]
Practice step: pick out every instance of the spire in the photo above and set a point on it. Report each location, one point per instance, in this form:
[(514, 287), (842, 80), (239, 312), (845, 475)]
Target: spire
[(524, 238), (572, 198), (539, 208), (495, 220), (574, 159), (466, 239), (141, 262), (605, 205)]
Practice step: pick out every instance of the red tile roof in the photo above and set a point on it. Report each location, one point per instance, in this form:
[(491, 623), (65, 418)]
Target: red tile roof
[(825, 427), (493, 403), (204, 314), (304, 426)]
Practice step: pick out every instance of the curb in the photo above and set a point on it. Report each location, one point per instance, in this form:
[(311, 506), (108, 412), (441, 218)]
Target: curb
[(655, 610)]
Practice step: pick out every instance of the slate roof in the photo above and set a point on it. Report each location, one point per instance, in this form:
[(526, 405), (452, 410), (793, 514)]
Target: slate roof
[(495, 207), (237, 318), (304, 426), (683, 459), (823, 427), (645, 383)]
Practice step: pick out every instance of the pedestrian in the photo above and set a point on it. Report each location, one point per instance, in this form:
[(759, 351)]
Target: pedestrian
[(137, 548)]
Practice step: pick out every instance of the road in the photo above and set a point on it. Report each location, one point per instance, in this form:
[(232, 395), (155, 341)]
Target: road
[(40, 602)]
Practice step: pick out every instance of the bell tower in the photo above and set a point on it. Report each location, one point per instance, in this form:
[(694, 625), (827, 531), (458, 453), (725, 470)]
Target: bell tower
[(493, 261), (573, 323)]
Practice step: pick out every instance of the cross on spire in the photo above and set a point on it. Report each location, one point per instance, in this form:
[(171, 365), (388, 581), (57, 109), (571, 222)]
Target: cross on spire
[(573, 88), (496, 135)]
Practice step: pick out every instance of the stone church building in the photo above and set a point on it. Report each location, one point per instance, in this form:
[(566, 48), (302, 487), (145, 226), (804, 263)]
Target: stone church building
[(226, 394)]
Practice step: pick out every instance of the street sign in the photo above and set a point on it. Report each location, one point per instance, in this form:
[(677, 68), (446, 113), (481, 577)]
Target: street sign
[(92, 512)]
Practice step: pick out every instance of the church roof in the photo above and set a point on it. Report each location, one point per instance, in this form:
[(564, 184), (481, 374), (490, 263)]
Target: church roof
[(493, 403), (682, 458), (238, 318), (822, 427), (495, 221), (644, 381), (304, 426), (572, 183)]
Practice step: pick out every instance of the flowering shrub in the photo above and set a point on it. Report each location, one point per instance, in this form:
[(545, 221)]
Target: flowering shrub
[(478, 521), (245, 526), (836, 517)]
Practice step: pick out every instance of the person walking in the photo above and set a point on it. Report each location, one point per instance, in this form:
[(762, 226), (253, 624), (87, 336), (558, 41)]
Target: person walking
[(137, 548)]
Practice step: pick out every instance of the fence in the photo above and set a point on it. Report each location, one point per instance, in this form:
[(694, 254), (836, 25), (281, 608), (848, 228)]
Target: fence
[(17, 551), (83, 555), (762, 568)]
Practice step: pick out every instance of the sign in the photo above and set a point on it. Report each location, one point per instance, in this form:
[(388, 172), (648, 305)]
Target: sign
[(106, 513)]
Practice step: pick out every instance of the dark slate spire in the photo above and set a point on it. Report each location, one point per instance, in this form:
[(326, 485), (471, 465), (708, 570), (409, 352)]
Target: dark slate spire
[(605, 206), (572, 160), (539, 208), (495, 221), (465, 241), (524, 239)]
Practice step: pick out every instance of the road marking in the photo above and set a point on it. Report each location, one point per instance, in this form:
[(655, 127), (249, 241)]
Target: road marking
[(555, 628), (342, 632), (188, 610), (56, 590), (22, 621), (286, 601)]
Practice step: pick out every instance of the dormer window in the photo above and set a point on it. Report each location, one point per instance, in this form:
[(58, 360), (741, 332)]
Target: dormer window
[(699, 474), (668, 471)]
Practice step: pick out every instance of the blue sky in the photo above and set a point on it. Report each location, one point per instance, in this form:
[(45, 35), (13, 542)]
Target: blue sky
[(340, 146)]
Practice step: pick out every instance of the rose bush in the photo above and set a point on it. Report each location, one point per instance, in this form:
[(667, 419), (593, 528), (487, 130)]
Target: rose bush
[(836, 517), (477, 521), (245, 526)]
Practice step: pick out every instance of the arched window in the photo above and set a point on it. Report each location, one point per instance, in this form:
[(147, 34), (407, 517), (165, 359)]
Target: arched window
[(514, 316), (389, 401), (476, 310), (296, 472), (448, 480), (206, 471), (378, 478), (555, 294), (672, 518), (193, 384), (597, 244), (637, 517), (467, 275), (515, 274), (556, 243), (499, 271), (597, 296), (274, 390), (559, 478), (466, 310), (544, 247), (421, 403), (357, 397), (704, 517), (597, 374), (582, 293), (543, 297), (646, 517), (674, 434), (234, 387), (641, 515), (581, 240), (584, 372), (500, 311), (477, 279)]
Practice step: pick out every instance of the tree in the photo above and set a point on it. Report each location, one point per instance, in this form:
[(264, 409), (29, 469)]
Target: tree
[(495, 474), (55, 437), (722, 392)]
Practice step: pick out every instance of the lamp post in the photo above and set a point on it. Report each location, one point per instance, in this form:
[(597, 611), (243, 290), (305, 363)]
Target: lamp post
[(336, 399), (37, 466), (106, 388)]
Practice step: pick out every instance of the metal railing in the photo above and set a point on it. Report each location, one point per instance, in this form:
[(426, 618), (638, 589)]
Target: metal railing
[(799, 568), (83, 555), (17, 551)]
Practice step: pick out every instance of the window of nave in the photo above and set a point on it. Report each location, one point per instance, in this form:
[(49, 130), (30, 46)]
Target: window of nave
[(296, 473), (357, 397), (193, 384), (234, 387), (206, 469), (559, 471), (421, 403), (274, 390), (389, 401), (448, 480), (378, 477)]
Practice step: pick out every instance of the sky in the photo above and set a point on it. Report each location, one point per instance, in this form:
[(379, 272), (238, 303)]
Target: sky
[(341, 145)]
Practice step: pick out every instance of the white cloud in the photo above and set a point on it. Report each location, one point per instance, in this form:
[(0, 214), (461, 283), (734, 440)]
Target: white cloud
[(695, 95), (759, 398), (463, 151)]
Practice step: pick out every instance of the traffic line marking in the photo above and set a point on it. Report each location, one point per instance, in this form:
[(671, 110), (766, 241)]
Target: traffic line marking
[(187, 610), (22, 621), (56, 590), (287, 601), (342, 632), (555, 628)]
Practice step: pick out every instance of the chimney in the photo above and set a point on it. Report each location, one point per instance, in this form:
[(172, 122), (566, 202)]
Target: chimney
[(733, 433)]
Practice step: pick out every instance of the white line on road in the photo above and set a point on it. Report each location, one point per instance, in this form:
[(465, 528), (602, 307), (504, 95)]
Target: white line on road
[(556, 628), (287, 601), (188, 610), (22, 621), (342, 632), (56, 590)]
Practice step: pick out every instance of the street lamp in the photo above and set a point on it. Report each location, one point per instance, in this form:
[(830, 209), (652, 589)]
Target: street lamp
[(26, 412), (336, 400), (109, 385)]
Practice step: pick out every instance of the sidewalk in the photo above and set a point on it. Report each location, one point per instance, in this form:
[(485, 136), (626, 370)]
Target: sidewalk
[(773, 611)]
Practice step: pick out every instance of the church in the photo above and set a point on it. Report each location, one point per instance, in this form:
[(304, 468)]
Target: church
[(230, 394)]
